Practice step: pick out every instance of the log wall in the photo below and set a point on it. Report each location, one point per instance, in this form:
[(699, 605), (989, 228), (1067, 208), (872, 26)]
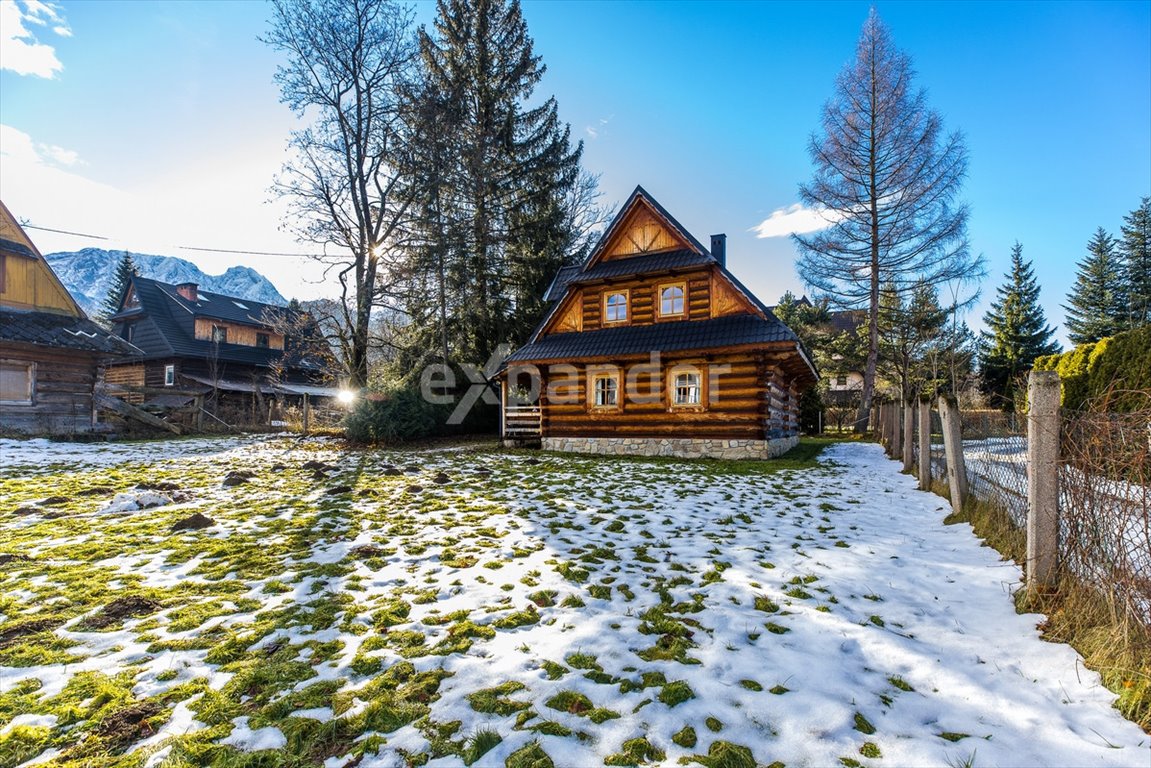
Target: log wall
[(742, 399), (62, 394)]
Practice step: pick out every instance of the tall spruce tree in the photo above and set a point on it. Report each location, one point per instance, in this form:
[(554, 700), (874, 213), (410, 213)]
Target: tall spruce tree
[(125, 269), (1136, 249), (498, 231), (1097, 304), (888, 181), (1017, 333)]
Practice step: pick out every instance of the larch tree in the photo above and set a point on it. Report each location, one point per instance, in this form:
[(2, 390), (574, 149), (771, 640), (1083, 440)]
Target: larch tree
[(1135, 246), (125, 269), (347, 65), (887, 180), (501, 224), (1017, 333), (1097, 305)]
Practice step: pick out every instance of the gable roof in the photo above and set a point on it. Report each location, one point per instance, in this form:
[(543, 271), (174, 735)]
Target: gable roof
[(174, 320), (759, 327), (14, 240)]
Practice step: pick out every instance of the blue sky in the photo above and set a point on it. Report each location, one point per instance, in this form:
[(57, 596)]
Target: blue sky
[(158, 126)]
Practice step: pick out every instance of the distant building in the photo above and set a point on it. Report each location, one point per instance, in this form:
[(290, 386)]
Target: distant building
[(195, 340), (653, 347), (50, 352), (844, 384)]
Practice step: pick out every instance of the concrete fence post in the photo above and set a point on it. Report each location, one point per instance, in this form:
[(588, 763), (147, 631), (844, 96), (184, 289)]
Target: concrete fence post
[(953, 450), (896, 432), (1042, 478), (881, 423), (924, 443), (908, 436)]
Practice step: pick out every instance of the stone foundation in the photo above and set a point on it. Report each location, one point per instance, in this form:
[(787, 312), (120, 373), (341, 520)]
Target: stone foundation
[(679, 447)]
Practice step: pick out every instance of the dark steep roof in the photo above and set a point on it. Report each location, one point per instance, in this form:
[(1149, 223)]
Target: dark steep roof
[(679, 336), (560, 282), (48, 329), (640, 265), (174, 316)]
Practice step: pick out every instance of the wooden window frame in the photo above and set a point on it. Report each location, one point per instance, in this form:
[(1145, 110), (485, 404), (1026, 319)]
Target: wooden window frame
[(267, 340), (699, 369), (170, 380), (219, 334), (30, 378), (593, 391), (607, 294), (659, 289)]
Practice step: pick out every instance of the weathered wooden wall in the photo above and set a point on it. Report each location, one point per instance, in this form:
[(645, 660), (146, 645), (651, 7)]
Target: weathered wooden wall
[(28, 283), (62, 400)]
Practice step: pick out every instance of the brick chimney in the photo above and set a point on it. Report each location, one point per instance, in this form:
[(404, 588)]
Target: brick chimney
[(719, 249), (188, 291)]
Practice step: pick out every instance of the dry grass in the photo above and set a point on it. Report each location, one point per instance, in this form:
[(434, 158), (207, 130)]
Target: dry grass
[(1087, 619)]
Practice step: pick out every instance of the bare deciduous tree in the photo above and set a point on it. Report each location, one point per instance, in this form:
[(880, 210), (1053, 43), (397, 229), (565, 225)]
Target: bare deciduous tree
[(347, 64), (887, 179)]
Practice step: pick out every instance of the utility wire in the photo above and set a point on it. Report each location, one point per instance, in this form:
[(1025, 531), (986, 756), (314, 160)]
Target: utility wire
[(181, 247)]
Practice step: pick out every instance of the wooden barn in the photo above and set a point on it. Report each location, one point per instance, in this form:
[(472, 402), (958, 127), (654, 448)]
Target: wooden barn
[(51, 354), (652, 347)]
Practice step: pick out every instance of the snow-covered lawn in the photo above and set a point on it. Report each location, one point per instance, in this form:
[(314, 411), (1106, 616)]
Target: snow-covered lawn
[(421, 607)]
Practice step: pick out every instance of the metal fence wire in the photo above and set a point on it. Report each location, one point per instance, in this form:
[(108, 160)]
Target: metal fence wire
[(1104, 492)]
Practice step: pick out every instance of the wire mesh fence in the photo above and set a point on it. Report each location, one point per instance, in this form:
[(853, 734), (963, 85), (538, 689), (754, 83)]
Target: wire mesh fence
[(1105, 504), (1104, 492)]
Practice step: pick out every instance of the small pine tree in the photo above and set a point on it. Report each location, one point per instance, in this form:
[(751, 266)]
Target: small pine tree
[(125, 270), (1136, 250), (1017, 333), (1097, 305)]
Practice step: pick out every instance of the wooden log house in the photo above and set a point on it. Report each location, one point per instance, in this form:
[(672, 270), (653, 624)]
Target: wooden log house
[(51, 354), (652, 347)]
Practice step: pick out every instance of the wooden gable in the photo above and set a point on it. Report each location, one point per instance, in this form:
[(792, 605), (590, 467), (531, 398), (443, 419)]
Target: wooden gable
[(642, 230), (26, 280)]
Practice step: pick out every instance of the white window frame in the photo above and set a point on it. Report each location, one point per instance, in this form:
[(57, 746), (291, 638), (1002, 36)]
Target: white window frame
[(170, 375), (687, 389), (29, 367), (618, 308), (606, 396), (672, 300)]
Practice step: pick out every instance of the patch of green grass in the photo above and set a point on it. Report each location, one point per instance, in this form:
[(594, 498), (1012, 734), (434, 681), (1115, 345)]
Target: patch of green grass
[(863, 725), (636, 751), (900, 683), (685, 737), (953, 736), (751, 685), (724, 754), (765, 604), (495, 701), (870, 749), (572, 702), (524, 618), (714, 724), (530, 755), (676, 692)]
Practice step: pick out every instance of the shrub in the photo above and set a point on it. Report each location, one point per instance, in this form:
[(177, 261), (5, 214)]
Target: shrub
[(392, 417), (1112, 374)]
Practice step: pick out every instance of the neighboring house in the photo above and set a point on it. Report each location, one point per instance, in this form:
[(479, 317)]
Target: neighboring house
[(50, 352), (196, 340), (844, 385), (653, 347)]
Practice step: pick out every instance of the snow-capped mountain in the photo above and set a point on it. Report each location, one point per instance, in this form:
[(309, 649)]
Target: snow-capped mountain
[(88, 274)]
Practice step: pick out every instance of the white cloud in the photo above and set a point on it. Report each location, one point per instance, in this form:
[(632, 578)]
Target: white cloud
[(593, 131), (794, 219), (20, 50)]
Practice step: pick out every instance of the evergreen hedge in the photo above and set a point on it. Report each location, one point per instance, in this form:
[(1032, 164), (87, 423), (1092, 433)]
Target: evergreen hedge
[(393, 417), (1112, 374)]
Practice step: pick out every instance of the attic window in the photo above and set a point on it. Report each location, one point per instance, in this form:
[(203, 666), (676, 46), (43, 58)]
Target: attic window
[(615, 307), (238, 304), (219, 334), (262, 340), (671, 299)]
